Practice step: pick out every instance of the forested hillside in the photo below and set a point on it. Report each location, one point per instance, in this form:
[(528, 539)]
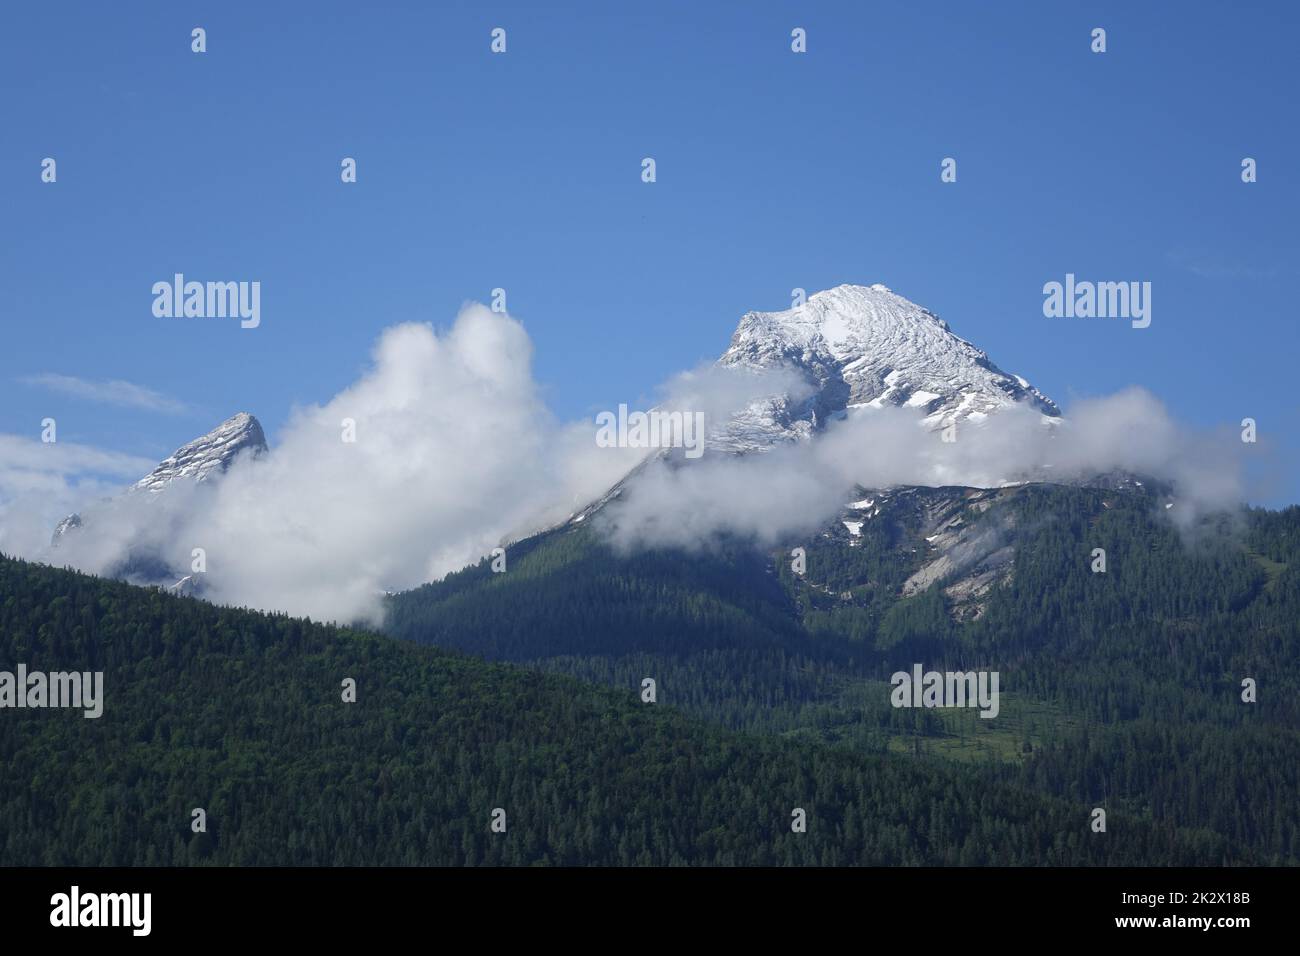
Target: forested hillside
[(1120, 690), (241, 714), (1124, 685)]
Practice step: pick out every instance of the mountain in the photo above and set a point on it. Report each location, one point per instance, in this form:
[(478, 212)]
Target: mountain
[(1118, 688), (1117, 684), (71, 523), (1121, 689), (855, 348), (201, 460), (862, 347), (209, 455)]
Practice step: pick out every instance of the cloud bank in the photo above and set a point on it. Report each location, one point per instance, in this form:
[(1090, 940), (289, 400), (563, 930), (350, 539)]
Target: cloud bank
[(795, 489), (40, 483), (455, 453)]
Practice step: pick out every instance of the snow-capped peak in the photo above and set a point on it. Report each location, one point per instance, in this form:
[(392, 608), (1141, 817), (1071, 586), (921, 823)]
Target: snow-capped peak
[(209, 455), (199, 460), (864, 347)]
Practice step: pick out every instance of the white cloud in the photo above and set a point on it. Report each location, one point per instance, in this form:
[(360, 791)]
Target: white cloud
[(796, 489), (41, 483), (109, 392), (455, 454), (1212, 265)]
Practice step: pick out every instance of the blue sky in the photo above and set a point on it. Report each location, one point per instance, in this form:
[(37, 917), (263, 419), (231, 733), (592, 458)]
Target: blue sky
[(522, 171)]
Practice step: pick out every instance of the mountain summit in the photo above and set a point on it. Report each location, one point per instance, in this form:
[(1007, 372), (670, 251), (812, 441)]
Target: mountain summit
[(864, 347), (213, 453), (199, 460)]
